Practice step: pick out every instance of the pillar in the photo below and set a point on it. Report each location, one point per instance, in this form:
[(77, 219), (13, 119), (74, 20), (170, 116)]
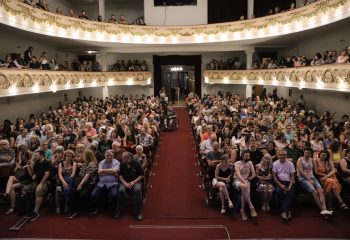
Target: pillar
[(248, 90), (105, 92), (249, 58), (102, 9), (250, 9), (104, 61)]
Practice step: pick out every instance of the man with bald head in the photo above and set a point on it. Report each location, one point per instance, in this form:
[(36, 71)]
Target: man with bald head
[(7, 154)]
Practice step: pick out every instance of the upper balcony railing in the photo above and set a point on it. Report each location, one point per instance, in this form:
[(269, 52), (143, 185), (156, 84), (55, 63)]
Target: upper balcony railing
[(22, 81), (335, 77), (23, 16)]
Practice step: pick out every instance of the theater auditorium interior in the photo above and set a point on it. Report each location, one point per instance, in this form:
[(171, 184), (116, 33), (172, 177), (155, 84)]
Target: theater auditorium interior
[(174, 119)]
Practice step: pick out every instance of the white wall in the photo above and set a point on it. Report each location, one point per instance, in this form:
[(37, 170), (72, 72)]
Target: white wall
[(176, 15)]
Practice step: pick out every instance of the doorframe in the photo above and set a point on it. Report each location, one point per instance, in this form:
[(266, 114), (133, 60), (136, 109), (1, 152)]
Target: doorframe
[(194, 60)]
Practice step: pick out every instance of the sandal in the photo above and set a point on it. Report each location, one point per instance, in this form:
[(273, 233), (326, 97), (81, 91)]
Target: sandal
[(10, 211), (344, 206), (230, 204), (244, 216)]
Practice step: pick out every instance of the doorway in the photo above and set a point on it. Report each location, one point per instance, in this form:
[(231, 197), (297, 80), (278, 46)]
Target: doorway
[(177, 75)]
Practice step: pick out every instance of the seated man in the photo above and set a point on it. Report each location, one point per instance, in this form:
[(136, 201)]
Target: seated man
[(39, 169), (170, 118), (107, 170), (283, 172), (213, 158), (7, 154), (130, 176)]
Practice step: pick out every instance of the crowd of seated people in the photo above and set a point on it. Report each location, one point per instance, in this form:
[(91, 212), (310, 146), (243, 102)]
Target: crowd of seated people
[(329, 57), (81, 152), (28, 61), (130, 65), (41, 4), (229, 64), (264, 145)]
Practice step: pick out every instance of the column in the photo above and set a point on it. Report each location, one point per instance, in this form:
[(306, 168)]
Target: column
[(102, 9), (105, 92), (249, 57), (250, 9), (104, 61), (248, 90)]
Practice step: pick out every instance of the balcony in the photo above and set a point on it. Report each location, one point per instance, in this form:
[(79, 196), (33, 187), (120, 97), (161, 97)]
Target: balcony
[(327, 77), (17, 82), (19, 15)]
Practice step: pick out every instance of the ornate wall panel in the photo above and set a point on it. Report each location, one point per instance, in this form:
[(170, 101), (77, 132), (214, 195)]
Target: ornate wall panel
[(17, 82), (20, 15), (334, 77)]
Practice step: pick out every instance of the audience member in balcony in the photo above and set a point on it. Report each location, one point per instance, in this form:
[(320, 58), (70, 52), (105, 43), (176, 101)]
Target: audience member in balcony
[(19, 62), (343, 57), (53, 65), (71, 13), (34, 64), (99, 18), (277, 10), (42, 5), (325, 170), (45, 65), (272, 64), (112, 19), (83, 15), (256, 65), (59, 11), (28, 54), (96, 66), (300, 62), (122, 20), (331, 58), (144, 66), (309, 182), (317, 60)]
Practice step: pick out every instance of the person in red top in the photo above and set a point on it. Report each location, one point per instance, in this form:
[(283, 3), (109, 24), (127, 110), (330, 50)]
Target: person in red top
[(89, 129)]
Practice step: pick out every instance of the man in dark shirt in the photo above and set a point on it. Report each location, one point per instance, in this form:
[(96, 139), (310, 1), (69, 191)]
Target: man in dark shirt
[(255, 154), (130, 176), (34, 64), (28, 54), (40, 170), (293, 153)]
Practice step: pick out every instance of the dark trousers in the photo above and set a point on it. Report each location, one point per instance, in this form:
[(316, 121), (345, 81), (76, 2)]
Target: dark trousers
[(83, 196), (112, 193), (137, 191), (285, 199)]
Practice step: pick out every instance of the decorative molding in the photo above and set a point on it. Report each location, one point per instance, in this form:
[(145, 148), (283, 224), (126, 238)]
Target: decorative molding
[(17, 14), (18, 82), (334, 77)]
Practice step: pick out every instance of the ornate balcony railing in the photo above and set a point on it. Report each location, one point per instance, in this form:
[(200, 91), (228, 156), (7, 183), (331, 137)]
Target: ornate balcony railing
[(327, 77), (17, 14), (17, 82)]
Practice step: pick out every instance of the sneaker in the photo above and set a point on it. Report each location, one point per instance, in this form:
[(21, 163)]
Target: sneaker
[(326, 212), (223, 210), (93, 211), (244, 216), (289, 215), (284, 216), (71, 215), (139, 217), (33, 216)]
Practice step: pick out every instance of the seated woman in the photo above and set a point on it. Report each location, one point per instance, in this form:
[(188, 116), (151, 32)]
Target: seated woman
[(316, 145), (223, 178), (308, 181), (345, 167), (264, 183), (85, 183), (325, 170), (20, 177), (141, 157), (66, 173), (244, 173)]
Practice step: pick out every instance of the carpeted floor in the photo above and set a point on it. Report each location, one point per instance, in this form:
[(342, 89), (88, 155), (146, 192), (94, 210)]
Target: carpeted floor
[(174, 199)]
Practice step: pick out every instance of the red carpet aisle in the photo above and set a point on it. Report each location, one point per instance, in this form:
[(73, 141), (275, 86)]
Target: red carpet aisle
[(175, 191), (176, 200)]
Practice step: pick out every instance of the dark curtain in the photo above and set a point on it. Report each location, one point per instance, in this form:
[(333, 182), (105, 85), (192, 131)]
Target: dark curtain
[(189, 60), (226, 10)]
